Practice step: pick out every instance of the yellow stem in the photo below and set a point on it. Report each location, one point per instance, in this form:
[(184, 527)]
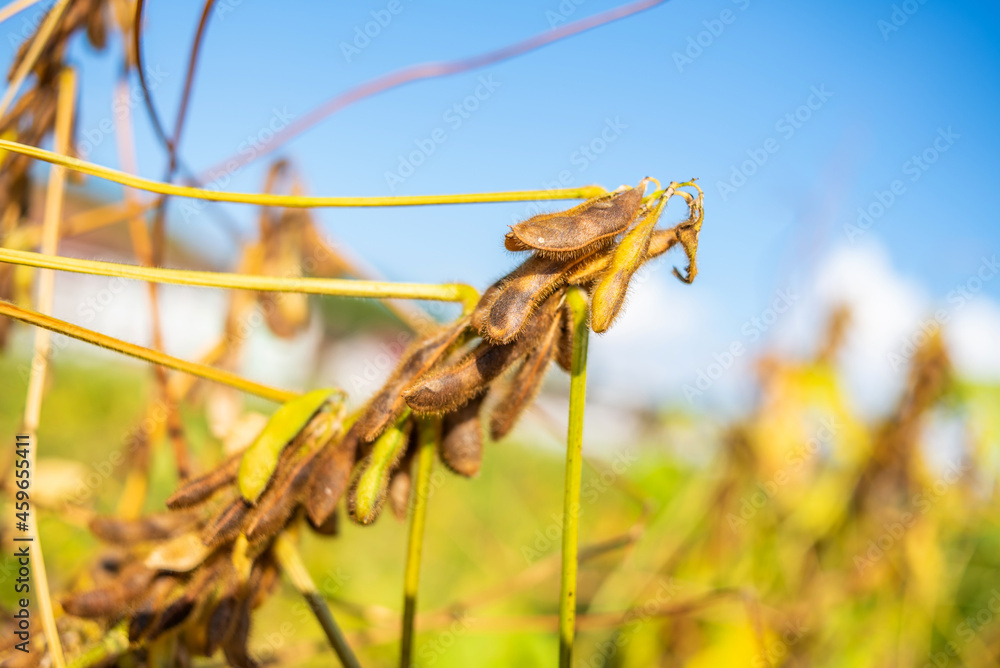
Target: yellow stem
[(293, 201), (428, 438), (146, 354), (39, 362), (574, 463), (450, 292), (31, 57), (291, 563)]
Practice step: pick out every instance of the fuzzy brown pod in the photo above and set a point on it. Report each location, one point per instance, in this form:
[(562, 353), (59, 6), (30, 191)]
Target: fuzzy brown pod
[(584, 227), (200, 489), (446, 389), (526, 382), (388, 404), (401, 482), (280, 502), (331, 474), (503, 312), (461, 445), (157, 527)]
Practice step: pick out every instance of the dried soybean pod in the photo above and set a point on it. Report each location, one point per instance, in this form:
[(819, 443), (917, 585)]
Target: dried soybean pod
[(129, 532), (145, 614), (329, 527), (279, 503), (173, 615), (478, 317), (200, 489), (521, 292), (401, 481), (260, 459), (461, 446), (608, 296), (388, 404), (226, 526), (593, 223), (526, 383), (110, 601), (179, 554), (330, 476), (221, 622), (368, 494), (512, 243), (451, 387)]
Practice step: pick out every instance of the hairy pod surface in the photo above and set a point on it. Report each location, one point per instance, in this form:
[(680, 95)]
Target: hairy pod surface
[(526, 383), (200, 489), (593, 222), (226, 526), (461, 445), (260, 459), (330, 477), (388, 404), (278, 504), (368, 495), (451, 387), (520, 294)]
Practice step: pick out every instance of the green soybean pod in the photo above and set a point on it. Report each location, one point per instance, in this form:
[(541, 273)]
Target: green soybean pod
[(261, 458), (370, 489)]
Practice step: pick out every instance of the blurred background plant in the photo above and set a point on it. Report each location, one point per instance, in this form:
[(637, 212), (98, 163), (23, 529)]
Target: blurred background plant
[(815, 488)]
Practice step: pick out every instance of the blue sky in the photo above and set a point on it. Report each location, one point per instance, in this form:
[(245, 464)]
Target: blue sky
[(668, 107)]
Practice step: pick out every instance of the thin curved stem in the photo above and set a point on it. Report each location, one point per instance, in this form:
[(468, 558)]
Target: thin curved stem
[(143, 353), (574, 464), (292, 564), (31, 57), (430, 71), (450, 292), (430, 434), (294, 201), (15, 8)]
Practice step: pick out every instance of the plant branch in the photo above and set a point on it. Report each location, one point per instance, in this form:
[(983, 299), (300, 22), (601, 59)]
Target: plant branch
[(450, 292), (292, 564), (39, 362), (577, 302), (430, 434), (146, 354), (294, 201)]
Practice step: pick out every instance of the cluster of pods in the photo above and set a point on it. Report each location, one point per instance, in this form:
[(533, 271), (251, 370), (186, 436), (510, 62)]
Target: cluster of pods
[(210, 557)]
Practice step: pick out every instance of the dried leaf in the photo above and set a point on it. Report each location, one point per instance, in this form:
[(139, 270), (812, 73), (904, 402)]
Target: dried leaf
[(608, 296), (330, 477)]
